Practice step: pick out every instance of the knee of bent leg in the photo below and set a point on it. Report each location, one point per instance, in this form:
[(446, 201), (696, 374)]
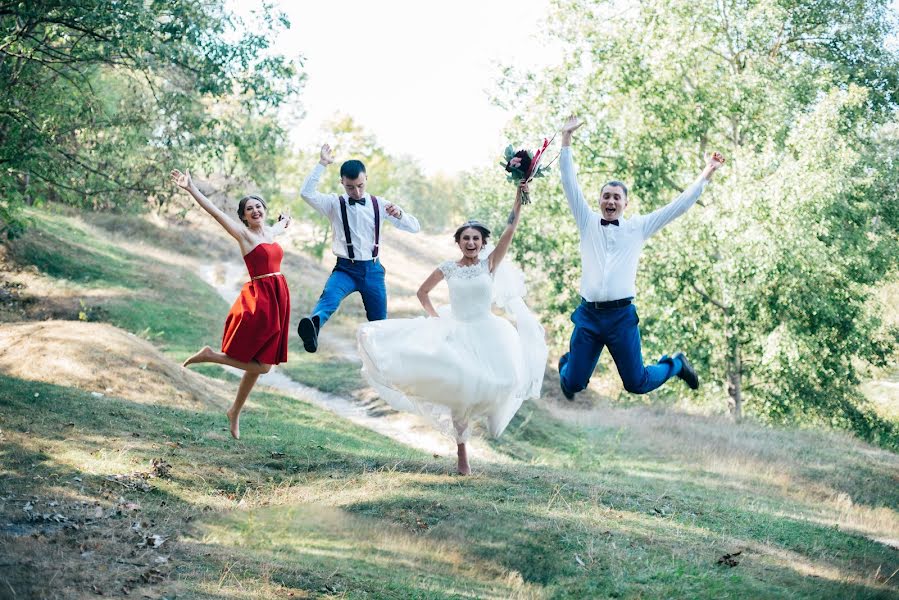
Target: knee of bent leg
[(576, 386), (634, 385), (263, 368)]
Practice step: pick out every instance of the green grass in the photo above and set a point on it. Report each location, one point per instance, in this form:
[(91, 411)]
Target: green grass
[(61, 248), (308, 502), (321, 370), (159, 301), (616, 503)]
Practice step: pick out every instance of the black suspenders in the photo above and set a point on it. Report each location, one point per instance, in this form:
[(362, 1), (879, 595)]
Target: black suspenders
[(374, 205), (346, 228)]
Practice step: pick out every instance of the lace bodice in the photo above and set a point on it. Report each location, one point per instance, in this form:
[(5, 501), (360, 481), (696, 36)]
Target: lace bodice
[(470, 289)]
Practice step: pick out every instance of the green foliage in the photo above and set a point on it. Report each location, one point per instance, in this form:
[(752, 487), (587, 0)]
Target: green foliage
[(768, 282), (62, 248), (100, 101)]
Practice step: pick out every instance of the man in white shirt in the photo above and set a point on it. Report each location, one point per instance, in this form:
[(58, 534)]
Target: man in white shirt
[(610, 251), (356, 232)]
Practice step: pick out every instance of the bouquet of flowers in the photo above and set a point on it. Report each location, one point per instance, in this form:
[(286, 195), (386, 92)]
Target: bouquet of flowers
[(523, 165)]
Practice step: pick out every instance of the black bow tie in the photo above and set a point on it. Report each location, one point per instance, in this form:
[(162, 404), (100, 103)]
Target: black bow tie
[(603, 222), (362, 202)]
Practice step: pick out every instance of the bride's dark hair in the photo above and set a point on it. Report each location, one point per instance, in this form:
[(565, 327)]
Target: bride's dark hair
[(485, 233), (242, 205)]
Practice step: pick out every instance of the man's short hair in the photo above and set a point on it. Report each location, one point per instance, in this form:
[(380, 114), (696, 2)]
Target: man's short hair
[(352, 169), (614, 183)]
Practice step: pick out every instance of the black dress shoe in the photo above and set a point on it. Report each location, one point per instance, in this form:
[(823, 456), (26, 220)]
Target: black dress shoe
[(687, 372), (309, 333), (562, 362)]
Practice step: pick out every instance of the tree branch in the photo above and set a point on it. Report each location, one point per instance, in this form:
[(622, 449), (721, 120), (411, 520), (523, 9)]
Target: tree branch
[(719, 304)]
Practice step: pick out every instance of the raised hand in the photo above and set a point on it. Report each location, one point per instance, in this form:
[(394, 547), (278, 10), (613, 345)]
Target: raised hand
[(327, 157), (522, 191), (571, 124), (569, 127), (714, 161), (182, 180)]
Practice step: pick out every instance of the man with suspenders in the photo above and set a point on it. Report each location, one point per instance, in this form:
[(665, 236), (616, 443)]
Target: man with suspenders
[(356, 232)]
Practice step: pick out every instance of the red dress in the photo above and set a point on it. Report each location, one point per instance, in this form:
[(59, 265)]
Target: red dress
[(259, 322)]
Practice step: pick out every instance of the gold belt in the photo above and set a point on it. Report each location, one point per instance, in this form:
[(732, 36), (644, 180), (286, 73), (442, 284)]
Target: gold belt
[(266, 275)]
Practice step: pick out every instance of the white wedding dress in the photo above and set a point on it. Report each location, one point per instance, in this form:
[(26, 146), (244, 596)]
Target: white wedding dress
[(468, 363)]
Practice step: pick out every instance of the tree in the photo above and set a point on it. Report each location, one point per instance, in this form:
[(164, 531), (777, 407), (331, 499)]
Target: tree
[(99, 99), (767, 283)]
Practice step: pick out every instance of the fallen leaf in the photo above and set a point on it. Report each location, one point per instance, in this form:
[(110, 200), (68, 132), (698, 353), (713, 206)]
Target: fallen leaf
[(152, 575), (152, 541), (728, 559), (578, 560), (161, 468)]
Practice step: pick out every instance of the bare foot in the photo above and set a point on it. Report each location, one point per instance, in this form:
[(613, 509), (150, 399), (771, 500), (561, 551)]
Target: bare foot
[(234, 419), (200, 356), (463, 468)]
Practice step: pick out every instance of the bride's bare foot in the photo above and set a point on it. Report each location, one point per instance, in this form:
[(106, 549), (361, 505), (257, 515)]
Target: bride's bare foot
[(200, 356), (463, 467), (234, 419)]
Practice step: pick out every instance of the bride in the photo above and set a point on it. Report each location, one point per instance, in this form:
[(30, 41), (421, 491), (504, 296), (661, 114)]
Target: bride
[(470, 363)]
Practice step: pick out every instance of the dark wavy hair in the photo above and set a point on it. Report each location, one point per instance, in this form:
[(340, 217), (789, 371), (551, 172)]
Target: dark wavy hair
[(242, 205), (351, 169), (485, 233)]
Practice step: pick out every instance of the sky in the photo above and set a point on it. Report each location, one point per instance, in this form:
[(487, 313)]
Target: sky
[(413, 73)]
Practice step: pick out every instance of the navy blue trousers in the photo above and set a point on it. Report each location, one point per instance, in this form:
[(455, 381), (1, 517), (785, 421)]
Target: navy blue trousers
[(615, 328), (363, 276)]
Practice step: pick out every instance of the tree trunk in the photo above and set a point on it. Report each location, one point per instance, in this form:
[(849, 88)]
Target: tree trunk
[(25, 182), (735, 381)]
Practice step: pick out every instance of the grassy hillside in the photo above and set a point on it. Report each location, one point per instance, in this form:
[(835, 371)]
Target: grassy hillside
[(118, 476)]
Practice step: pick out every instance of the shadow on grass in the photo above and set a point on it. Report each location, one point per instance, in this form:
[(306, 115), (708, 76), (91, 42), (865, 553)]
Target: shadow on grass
[(406, 529), (575, 536)]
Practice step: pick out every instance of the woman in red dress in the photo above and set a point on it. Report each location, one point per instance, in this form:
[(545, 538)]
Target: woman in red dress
[(257, 326)]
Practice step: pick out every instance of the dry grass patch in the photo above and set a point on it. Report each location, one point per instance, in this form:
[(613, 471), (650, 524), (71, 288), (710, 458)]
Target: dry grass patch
[(101, 359)]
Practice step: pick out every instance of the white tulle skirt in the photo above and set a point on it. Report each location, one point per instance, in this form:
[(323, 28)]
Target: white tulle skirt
[(454, 372)]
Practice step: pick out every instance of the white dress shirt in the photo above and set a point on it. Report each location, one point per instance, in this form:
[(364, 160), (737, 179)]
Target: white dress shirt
[(360, 218), (610, 253)]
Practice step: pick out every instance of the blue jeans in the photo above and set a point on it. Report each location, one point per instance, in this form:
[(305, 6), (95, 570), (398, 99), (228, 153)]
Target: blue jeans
[(617, 329), (363, 276)]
